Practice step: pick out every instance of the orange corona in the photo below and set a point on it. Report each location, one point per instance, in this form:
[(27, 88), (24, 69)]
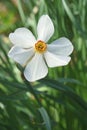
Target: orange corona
[(40, 46)]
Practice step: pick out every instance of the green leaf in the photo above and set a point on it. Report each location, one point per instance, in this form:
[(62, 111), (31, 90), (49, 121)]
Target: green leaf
[(70, 80), (67, 91), (73, 19), (45, 118)]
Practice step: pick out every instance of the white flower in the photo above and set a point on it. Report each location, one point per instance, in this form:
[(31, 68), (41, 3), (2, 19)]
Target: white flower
[(36, 55)]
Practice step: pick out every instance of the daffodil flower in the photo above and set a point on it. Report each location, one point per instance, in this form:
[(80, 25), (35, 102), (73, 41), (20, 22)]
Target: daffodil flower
[(35, 54)]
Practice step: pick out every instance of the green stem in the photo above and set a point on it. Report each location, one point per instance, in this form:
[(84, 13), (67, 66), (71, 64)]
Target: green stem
[(21, 12), (30, 88)]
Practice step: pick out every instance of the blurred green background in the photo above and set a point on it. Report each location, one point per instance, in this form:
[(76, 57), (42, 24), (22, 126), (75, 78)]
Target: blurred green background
[(62, 94)]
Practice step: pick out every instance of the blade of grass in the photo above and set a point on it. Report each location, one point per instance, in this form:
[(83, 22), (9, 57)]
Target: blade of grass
[(45, 118)]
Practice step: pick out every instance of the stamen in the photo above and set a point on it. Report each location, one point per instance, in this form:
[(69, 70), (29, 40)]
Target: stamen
[(40, 46)]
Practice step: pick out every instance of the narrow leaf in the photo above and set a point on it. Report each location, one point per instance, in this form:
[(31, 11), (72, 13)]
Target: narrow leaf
[(45, 118)]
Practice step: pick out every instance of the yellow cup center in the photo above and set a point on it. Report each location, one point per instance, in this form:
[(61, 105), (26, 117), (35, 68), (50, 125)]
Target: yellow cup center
[(40, 46)]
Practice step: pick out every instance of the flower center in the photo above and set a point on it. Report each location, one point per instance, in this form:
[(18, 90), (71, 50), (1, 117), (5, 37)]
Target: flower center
[(40, 46)]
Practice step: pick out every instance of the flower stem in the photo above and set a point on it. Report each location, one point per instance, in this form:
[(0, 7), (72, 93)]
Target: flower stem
[(21, 12), (30, 88)]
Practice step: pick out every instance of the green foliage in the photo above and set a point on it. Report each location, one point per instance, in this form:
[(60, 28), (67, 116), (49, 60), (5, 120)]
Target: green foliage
[(59, 101)]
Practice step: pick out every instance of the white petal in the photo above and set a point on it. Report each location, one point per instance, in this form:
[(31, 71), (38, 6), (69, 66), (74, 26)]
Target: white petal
[(22, 37), (62, 46), (36, 68), (21, 56), (45, 28), (54, 60)]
